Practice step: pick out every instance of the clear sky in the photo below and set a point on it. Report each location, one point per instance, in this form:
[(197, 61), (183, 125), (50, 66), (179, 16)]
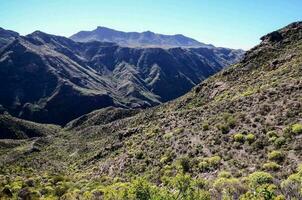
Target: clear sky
[(228, 23)]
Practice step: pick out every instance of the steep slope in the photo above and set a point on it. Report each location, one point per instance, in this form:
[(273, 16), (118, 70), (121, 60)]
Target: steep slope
[(244, 119), (52, 79), (135, 39), (247, 111), (44, 85)]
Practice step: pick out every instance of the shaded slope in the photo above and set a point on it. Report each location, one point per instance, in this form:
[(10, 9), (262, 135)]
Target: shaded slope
[(52, 79), (14, 128), (40, 84)]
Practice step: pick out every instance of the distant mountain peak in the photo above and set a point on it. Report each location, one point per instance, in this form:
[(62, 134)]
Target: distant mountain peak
[(137, 39), (7, 36), (103, 28)]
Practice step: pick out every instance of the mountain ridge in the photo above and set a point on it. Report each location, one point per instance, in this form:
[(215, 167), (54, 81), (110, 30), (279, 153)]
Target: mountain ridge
[(42, 71), (138, 39)]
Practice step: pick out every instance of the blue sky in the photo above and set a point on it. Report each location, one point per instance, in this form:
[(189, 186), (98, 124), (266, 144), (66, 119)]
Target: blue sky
[(228, 23)]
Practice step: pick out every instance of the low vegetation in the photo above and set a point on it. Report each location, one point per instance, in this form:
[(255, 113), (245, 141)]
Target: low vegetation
[(257, 185)]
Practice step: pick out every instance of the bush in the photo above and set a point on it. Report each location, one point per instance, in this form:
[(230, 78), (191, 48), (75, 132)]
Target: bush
[(141, 189), (214, 161), (205, 126), (60, 190), (276, 156), (271, 166), (293, 184), (263, 192), (296, 129), (223, 128), (259, 178), (280, 141), (224, 174), (210, 163), (239, 137), (187, 188), (6, 192), (250, 138), (139, 155), (231, 121), (228, 187), (185, 164), (272, 134)]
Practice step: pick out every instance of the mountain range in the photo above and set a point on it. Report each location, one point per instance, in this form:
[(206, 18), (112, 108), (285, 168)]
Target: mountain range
[(53, 79), (136, 39)]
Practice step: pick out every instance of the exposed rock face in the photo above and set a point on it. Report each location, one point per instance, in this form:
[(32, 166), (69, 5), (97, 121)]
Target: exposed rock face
[(52, 79)]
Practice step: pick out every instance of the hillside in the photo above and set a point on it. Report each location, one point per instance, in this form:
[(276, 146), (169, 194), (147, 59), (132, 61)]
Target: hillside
[(135, 39), (14, 128), (235, 135), (52, 79)]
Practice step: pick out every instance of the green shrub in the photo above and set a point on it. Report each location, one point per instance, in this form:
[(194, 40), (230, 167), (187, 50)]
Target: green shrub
[(205, 126), (271, 134), (168, 135), (250, 138), (201, 195), (280, 141), (239, 137), (139, 155), (6, 192), (271, 166), (60, 190), (187, 188), (259, 178), (223, 128), (227, 187), (214, 161), (272, 139), (296, 129), (262, 192), (164, 159), (224, 174), (276, 156), (185, 164), (293, 185), (210, 163), (141, 189), (231, 121), (57, 178)]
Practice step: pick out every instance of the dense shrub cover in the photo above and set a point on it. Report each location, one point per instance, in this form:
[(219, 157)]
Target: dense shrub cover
[(257, 185)]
